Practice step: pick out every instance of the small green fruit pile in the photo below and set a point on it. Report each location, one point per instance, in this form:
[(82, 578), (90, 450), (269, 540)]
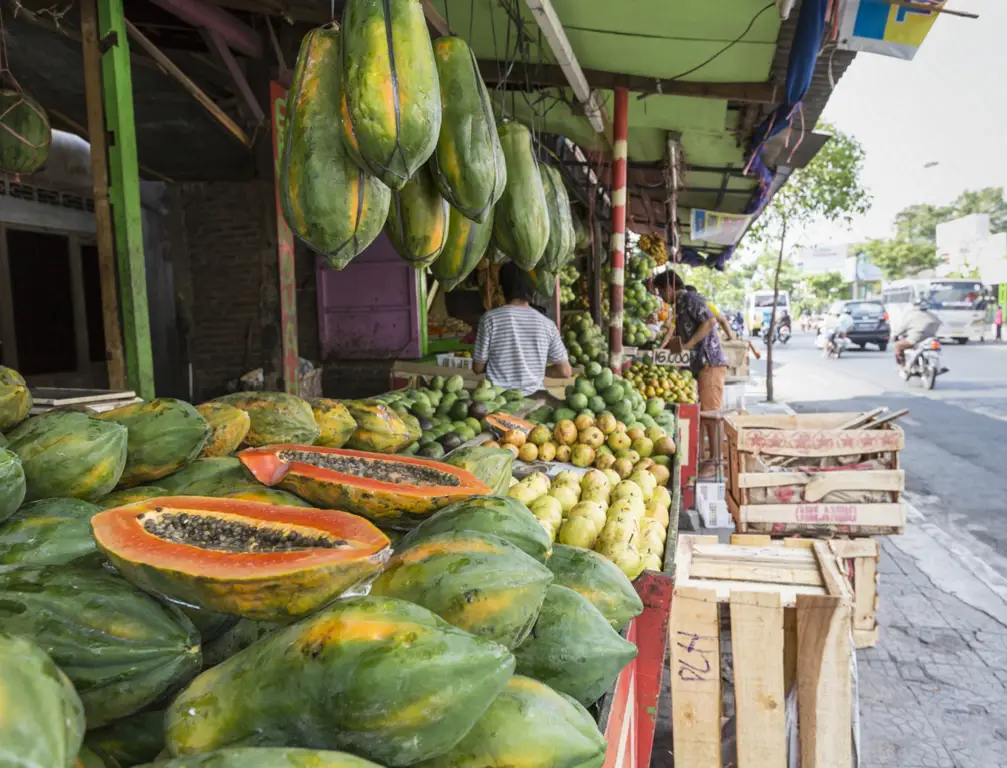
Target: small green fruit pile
[(585, 342)]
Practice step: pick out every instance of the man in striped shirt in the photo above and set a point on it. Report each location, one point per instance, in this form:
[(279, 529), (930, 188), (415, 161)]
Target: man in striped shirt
[(516, 345)]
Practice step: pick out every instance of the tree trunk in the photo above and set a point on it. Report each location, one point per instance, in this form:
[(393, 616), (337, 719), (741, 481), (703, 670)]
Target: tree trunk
[(772, 316)]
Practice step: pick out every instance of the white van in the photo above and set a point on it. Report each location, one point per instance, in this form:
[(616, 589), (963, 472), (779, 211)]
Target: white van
[(958, 303), (759, 306)]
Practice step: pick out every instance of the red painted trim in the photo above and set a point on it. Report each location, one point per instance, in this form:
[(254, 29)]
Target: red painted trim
[(620, 133), (655, 589), (284, 248)]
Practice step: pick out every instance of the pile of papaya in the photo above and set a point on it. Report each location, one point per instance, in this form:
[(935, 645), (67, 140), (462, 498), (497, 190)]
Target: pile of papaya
[(390, 131), (218, 586)]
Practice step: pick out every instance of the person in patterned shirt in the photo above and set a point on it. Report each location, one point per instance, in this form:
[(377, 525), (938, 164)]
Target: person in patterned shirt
[(696, 326)]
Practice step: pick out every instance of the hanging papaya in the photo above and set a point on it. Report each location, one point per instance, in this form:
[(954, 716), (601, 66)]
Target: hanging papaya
[(48, 532), (475, 581), (25, 134), (379, 428), (543, 280), (468, 164), (71, 454), (245, 558), (335, 422), (521, 216), (15, 399), (328, 201), (12, 483), (557, 655), (165, 434), (463, 250), (379, 677), (418, 220), (582, 234), (269, 757), (228, 427), (120, 647), (276, 417), (397, 491), (598, 579), (528, 724), (42, 719), (126, 496), (391, 99), (559, 248)]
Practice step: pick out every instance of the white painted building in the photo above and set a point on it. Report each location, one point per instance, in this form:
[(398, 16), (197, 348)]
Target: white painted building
[(965, 244)]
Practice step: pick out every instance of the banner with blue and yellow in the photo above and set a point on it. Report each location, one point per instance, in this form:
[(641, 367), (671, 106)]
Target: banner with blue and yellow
[(878, 26)]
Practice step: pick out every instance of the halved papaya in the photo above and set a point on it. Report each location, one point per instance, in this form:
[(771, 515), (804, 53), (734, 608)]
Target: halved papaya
[(504, 422), (397, 491), (246, 558)]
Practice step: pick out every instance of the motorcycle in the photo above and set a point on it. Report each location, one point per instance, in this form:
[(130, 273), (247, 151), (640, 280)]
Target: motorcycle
[(781, 334), (832, 347), (923, 360)]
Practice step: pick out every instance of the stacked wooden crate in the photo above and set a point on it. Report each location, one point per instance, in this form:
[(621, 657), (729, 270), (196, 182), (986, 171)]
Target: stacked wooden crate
[(790, 612)]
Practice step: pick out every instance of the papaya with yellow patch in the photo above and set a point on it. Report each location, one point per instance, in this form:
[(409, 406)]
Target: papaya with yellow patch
[(270, 757), (275, 417), (380, 678), (468, 164), (335, 422), (418, 220), (477, 582), (125, 496), (379, 428), (599, 580), (165, 434), (228, 427), (393, 491), (244, 558), (391, 97), (15, 399), (464, 248), (328, 201), (528, 724), (69, 454)]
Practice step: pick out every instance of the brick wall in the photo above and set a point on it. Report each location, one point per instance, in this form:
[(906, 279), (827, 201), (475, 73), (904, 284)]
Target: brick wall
[(227, 238)]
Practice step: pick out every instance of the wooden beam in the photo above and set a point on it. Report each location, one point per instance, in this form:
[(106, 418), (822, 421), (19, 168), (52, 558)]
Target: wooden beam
[(124, 194), (102, 211), (435, 20), (552, 76), (171, 69), (218, 48)]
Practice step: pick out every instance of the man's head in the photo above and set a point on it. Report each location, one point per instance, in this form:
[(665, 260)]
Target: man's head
[(516, 283), (667, 283)]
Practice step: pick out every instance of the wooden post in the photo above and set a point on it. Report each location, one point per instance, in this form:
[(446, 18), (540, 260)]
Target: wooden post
[(124, 193), (102, 212), (772, 316), (285, 249), (618, 242)]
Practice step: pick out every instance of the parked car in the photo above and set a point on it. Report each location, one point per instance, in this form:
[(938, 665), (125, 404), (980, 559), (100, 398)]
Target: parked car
[(870, 322)]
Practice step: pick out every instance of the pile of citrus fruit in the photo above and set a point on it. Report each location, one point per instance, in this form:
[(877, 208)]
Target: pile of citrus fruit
[(676, 385)]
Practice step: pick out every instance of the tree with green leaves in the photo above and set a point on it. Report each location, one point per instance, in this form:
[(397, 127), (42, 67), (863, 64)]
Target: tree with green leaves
[(824, 288), (829, 188), (900, 258)]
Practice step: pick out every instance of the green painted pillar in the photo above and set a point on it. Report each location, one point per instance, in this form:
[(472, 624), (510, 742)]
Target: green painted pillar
[(124, 195)]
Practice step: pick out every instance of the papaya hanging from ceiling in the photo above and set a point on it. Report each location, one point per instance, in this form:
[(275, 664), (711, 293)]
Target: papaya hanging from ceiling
[(391, 98), (464, 248), (562, 237), (25, 134), (521, 216), (245, 558), (328, 201), (468, 164), (418, 220)]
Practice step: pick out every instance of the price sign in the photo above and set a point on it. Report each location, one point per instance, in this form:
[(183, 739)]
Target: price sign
[(670, 359)]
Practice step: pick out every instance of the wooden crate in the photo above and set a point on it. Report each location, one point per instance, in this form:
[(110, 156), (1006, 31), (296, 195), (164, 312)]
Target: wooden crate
[(858, 562), (762, 453), (790, 616)]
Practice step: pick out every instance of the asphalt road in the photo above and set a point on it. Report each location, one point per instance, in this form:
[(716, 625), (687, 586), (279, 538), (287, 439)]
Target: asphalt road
[(956, 435)]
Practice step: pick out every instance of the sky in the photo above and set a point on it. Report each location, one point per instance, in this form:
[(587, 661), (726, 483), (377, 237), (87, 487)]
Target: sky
[(948, 105)]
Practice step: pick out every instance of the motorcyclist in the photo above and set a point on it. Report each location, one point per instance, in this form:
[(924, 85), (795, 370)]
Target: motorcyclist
[(917, 324), (843, 325)]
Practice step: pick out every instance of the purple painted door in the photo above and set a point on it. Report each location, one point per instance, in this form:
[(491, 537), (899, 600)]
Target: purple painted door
[(370, 309)]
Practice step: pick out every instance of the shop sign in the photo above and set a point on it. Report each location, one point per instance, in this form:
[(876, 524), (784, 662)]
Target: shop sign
[(718, 228), (285, 248), (878, 26)]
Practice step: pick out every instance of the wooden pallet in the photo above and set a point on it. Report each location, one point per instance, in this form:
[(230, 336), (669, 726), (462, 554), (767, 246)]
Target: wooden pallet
[(790, 616)]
